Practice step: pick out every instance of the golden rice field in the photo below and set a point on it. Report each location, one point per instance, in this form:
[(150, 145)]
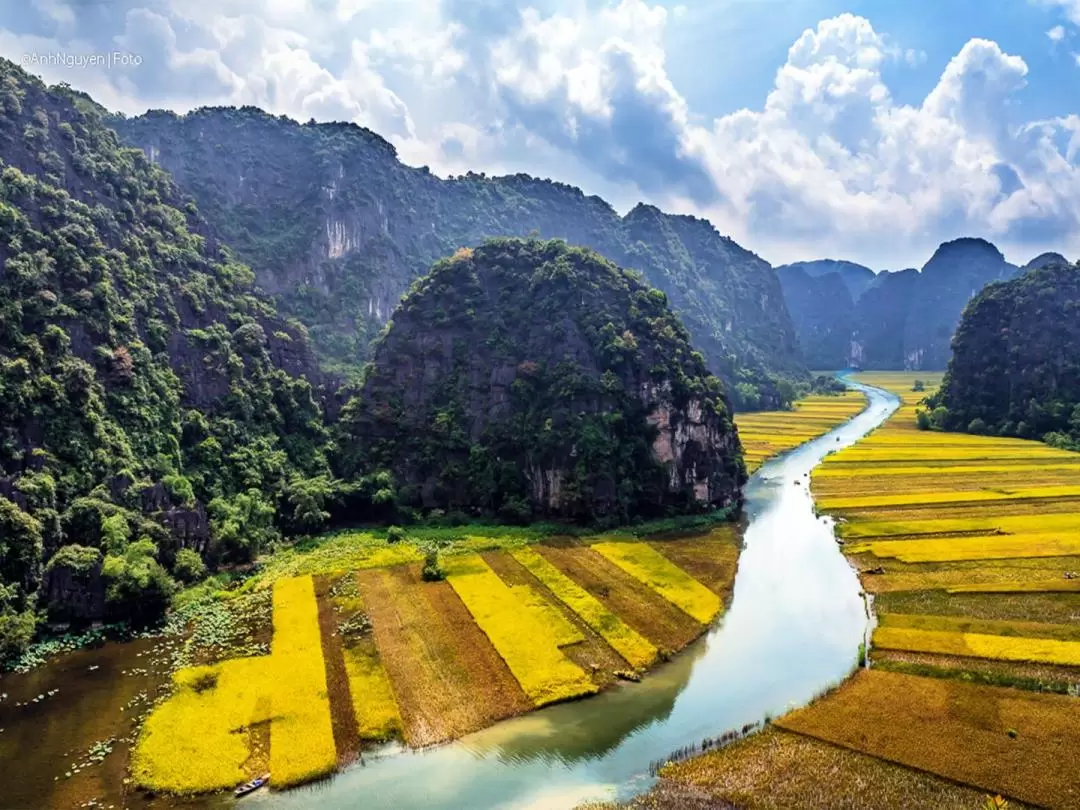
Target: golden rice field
[(765, 434), (365, 653), (983, 534)]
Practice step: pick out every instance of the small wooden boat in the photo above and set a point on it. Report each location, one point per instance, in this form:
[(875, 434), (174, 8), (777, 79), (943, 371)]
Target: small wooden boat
[(252, 786)]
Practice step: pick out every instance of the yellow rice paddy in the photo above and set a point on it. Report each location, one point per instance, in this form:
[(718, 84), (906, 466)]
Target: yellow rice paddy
[(200, 739), (528, 639), (637, 651), (765, 434), (984, 529), (647, 565)]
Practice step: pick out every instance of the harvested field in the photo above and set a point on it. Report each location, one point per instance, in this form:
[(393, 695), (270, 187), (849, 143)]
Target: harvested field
[(781, 770), (346, 737), (989, 672), (649, 566), (525, 633), (888, 715), (645, 611), (711, 559), (446, 676), (1026, 608)]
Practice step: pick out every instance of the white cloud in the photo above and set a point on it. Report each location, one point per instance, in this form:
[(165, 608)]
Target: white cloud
[(1070, 8), (579, 90)]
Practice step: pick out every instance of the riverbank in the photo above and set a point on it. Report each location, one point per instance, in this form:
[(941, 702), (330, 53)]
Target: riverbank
[(962, 544), (423, 662)]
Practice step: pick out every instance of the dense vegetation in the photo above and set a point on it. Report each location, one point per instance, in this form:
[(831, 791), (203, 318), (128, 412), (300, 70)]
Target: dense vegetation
[(150, 401), (845, 317), (338, 228), (531, 378), (1015, 369)]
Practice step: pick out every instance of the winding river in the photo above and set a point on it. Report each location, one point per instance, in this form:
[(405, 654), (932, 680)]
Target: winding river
[(796, 622)]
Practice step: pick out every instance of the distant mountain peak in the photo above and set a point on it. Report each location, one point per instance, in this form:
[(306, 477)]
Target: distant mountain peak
[(1045, 260)]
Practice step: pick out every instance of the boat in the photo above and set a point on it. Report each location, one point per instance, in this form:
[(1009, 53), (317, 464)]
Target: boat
[(252, 786)]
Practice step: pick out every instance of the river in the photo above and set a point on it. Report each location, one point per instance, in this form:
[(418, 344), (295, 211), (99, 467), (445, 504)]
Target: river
[(794, 628), (796, 621)]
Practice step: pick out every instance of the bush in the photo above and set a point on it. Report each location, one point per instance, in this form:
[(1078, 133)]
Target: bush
[(16, 633), (922, 421), (395, 534), (138, 588), (432, 571), (516, 510), (919, 386), (189, 566), (939, 417), (976, 425)]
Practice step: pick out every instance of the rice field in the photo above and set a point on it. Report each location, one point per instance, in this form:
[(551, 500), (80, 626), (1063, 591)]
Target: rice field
[(976, 540), (1009, 741), (527, 637), (649, 566), (204, 737), (636, 650), (765, 434)]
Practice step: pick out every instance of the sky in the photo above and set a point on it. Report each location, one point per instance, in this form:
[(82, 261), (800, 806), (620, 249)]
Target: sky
[(867, 130)]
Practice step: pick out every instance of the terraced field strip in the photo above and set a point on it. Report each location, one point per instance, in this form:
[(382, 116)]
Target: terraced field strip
[(374, 707), (982, 524), (446, 676), (649, 566), (301, 735), (984, 547), (200, 739), (979, 645), (1021, 744), (1059, 585), (526, 637), (765, 434), (636, 650), (711, 559), (643, 609)]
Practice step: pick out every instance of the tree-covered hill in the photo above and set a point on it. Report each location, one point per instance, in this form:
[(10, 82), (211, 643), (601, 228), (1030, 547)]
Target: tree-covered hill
[(1015, 369), (557, 385), (337, 227), (154, 410), (893, 320)]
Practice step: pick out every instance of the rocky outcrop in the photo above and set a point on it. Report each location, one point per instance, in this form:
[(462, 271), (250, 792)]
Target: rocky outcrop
[(531, 376), (74, 588)]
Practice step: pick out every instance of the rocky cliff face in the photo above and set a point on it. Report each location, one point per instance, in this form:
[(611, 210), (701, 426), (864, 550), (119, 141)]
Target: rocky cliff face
[(823, 312), (531, 378), (338, 228), (893, 320), (1015, 369)]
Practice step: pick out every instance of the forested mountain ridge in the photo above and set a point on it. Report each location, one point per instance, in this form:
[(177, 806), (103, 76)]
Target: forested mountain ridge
[(337, 227), (153, 407), (1015, 369), (894, 320), (557, 384)]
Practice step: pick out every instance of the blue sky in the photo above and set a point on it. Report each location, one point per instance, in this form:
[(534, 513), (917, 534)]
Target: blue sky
[(870, 130)]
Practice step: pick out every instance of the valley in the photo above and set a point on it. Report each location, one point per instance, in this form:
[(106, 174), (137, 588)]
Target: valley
[(395, 658)]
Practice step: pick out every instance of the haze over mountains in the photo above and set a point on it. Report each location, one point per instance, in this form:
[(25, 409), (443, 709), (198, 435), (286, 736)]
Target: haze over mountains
[(846, 315)]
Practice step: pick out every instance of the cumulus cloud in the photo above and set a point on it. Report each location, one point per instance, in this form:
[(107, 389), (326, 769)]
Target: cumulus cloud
[(580, 90)]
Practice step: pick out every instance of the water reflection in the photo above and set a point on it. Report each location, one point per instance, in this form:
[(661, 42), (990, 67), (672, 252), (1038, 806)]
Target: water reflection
[(793, 629)]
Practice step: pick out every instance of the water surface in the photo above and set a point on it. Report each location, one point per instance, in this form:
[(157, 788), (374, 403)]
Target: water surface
[(794, 628)]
